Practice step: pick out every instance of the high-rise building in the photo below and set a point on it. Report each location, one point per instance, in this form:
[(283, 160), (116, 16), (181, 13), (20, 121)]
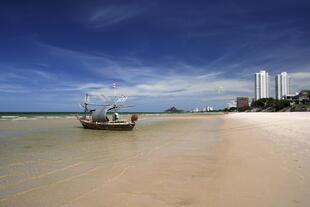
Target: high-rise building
[(262, 85), (282, 85)]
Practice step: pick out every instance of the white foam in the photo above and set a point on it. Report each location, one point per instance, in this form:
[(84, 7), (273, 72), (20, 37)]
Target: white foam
[(21, 118), (9, 117), (70, 117)]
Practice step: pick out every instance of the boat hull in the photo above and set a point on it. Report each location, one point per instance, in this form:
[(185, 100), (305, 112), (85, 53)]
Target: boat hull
[(117, 125)]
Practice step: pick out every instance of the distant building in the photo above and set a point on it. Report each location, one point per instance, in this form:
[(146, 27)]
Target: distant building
[(282, 86), (209, 108), (242, 103), (195, 110), (262, 85)]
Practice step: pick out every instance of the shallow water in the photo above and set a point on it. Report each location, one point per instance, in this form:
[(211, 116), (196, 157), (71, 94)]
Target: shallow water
[(55, 162)]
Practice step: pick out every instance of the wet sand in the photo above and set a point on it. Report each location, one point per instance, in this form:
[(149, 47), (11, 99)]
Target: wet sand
[(192, 160)]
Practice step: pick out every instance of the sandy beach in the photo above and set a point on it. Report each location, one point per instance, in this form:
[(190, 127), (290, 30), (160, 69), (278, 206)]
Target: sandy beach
[(241, 159)]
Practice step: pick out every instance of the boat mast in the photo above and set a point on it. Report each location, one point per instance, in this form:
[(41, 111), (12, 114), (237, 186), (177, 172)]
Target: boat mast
[(114, 93), (85, 105)]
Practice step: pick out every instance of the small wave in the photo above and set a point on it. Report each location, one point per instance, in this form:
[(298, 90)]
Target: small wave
[(70, 117), (21, 118), (151, 114), (41, 117), (9, 117), (53, 117), (34, 117)]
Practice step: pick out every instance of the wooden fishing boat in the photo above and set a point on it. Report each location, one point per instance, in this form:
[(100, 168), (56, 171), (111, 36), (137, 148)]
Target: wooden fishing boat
[(97, 117), (87, 123)]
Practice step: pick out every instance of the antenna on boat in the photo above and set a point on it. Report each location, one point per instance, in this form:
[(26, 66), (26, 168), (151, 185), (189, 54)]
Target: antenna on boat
[(86, 100), (114, 88), (114, 96)]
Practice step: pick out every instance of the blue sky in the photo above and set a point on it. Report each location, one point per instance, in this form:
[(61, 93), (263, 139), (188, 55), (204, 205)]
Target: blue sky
[(160, 53)]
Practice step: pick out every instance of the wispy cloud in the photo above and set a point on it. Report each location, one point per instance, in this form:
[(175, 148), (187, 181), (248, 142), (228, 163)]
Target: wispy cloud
[(113, 14), (20, 73), (126, 69), (42, 74), (139, 79), (174, 81), (179, 85), (301, 75), (300, 80), (12, 88), (152, 80)]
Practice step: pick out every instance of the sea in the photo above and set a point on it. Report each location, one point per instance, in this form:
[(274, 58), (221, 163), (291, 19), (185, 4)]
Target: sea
[(15, 116), (49, 159)]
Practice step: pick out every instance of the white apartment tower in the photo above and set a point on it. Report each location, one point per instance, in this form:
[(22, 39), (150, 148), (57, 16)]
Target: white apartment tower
[(282, 85), (262, 85)]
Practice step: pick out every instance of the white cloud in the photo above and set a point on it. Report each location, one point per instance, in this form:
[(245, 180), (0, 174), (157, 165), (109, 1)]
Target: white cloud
[(182, 85), (300, 81), (87, 86), (113, 14), (42, 74), (13, 73), (12, 88), (137, 79), (300, 75)]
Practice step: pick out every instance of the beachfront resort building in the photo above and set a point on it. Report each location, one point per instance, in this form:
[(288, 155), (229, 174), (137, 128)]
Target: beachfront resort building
[(262, 85), (242, 103), (282, 85)]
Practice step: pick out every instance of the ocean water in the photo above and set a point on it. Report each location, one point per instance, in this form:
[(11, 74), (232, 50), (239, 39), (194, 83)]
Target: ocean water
[(16, 116), (50, 160), (35, 115)]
